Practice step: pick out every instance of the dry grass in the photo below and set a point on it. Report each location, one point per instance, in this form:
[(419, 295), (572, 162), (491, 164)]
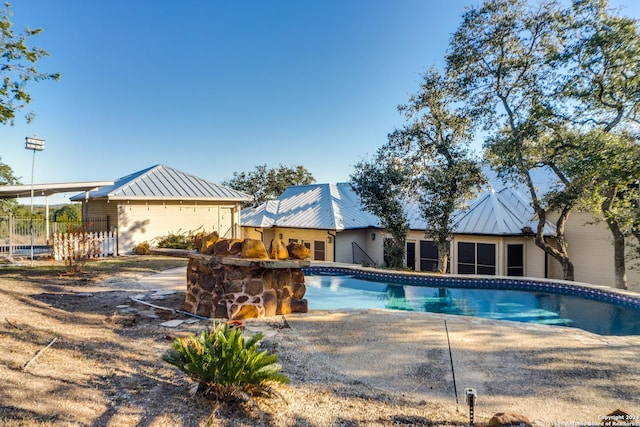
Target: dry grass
[(104, 369)]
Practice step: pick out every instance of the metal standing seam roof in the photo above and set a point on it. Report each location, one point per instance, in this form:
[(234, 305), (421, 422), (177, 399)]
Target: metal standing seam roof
[(337, 207), (316, 206), (498, 213), (161, 182)]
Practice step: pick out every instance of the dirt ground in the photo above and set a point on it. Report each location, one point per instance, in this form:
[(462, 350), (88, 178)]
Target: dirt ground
[(77, 351)]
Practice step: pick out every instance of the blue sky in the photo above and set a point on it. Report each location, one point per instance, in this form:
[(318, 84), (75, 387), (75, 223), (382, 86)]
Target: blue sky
[(214, 87)]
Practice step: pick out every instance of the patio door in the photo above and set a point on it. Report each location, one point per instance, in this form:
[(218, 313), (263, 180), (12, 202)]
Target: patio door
[(411, 255), (515, 259), (225, 222)]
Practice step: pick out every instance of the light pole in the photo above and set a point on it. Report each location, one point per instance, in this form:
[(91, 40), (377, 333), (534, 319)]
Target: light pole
[(34, 144)]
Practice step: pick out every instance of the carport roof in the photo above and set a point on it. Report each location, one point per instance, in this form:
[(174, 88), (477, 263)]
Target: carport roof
[(15, 191)]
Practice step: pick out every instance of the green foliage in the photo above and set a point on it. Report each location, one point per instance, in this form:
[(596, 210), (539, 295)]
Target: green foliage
[(225, 365), (443, 173), (549, 82), (428, 162), (17, 61), (498, 59), (7, 178), (178, 240), (268, 183), (71, 212), (380, 183)]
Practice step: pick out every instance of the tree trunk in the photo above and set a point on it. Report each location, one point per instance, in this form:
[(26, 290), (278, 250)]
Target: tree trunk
[(618, 254), (618, 239), (443, 256), (559, 250)]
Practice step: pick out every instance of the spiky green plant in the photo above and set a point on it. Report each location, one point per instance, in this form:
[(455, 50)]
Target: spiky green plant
[(224, 364)]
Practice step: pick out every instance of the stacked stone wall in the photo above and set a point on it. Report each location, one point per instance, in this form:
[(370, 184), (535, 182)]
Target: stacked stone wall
[(241, 288)]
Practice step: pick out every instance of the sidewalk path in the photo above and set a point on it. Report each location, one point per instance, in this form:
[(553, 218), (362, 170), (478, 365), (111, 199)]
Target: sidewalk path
[(174, 279)]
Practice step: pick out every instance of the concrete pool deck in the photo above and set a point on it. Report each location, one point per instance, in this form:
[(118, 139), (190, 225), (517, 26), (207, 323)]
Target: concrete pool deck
[(551, 374)]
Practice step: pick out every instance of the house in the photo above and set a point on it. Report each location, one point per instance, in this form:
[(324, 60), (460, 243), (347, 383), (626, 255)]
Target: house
[(330, 220), (494, 235), (160, 200), (327, 218)]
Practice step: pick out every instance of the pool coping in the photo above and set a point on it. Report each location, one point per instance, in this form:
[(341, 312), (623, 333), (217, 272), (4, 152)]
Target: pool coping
[(607, 294)]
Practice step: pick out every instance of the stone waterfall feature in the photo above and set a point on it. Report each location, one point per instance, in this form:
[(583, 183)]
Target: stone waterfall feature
[(233, 287)]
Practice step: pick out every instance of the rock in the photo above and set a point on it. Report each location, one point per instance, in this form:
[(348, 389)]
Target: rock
[(227, 247), (253, 248), (299, 306), (284, 306), (197, 240), (299, 290), (298, 251), (278, 249), (508, 419), (207, 242), (236, 247), (270, 302), (242, 312)]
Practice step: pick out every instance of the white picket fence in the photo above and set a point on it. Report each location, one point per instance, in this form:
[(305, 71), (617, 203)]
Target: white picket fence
[(83, 245)]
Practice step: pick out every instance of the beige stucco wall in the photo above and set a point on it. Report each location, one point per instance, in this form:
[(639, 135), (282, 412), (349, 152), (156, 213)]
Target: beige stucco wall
[(102, 209), (374, 248), (138, 222), (310, 237), (534, 259), (590, 247)]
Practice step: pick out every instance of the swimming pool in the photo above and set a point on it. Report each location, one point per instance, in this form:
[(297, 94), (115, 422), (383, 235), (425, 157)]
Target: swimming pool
[(601, 311)]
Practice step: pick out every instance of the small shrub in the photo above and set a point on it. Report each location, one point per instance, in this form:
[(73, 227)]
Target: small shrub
[(142, 248), (224, 365), (178, 240), (76, 247)]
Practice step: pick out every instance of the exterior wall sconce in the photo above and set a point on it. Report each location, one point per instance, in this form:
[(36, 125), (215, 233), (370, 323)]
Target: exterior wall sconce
[(373, 236), (280, 236), (329, 240), (527, 231)]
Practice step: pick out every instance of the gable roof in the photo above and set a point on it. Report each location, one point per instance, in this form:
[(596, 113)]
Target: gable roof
[(161, 182), (316, 206)]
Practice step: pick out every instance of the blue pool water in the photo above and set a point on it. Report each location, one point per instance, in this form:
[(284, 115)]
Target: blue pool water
[(329, 292)]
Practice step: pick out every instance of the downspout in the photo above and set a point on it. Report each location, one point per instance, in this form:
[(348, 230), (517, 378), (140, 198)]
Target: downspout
[(333, 236), (261, 235)]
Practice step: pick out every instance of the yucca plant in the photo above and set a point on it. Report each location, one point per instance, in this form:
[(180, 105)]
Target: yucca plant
[(224, 364)]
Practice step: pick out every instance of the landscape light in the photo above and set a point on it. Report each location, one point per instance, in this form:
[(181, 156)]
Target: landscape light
[(470, 396)]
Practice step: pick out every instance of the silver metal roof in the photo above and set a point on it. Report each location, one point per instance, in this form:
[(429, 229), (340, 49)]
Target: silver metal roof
[(317, 206), (162, 183), (337, 207), (14, 191), (505, 212)]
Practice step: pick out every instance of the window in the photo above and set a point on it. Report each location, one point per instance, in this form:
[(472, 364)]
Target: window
[(428, 256), (466, 258), (515, 260), (476, 258), (318, 250)]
